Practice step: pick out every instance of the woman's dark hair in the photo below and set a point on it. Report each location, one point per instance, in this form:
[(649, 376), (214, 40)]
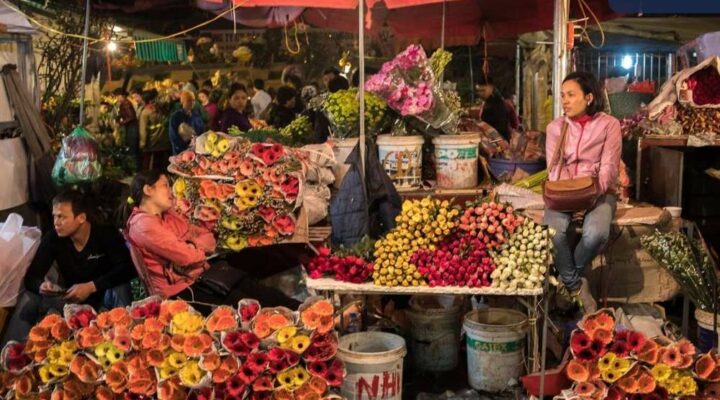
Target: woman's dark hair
[(285, 94), (237, 87), (589, 84), (149, 96), (338, 83), (136, 191)]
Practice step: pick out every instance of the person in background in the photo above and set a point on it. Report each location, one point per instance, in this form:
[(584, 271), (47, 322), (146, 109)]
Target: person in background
[(261, 99), (494, 109), (282, 112), (92, 261), (295, 83), (136, 100), (187, 114), (592, 147), (207, 85), (328, 75), (235, 114), (308, 93), (213, 114), (338, 83), (154, 142), (513, 118), (127, 118), (175, 252)]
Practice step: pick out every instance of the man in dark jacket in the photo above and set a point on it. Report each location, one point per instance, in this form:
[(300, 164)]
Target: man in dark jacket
[(495, 111)]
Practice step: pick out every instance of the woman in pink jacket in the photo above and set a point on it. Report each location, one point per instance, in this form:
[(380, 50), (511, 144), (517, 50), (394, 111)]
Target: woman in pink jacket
[(592, 148), (175, 252)]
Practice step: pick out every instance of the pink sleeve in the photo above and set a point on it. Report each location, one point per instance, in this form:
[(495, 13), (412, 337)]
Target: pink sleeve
[(202, 238), (610, 157), (552, 138), (164, 243)]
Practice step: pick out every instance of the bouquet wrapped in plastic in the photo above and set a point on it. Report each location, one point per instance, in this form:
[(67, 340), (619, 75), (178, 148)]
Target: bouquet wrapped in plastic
[(409, 86), (78, 160), (342, 109)]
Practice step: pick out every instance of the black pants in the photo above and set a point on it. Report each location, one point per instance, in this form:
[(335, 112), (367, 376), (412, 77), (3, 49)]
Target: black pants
[(245, 288)]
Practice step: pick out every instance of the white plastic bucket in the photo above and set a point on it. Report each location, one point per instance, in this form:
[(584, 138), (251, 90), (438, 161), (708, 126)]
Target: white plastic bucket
[(401, 158), (495, 346), (435, 332), (456, 160), (342, 149), (374, 364)]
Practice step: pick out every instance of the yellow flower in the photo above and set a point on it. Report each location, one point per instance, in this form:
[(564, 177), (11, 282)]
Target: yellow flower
[(300, 376), (191, 374), (177, 360), (661, 372), (114, 354), (69, 346), (57, 370), (287, 379), (187, 323), (688, 386), (54, 353), (300, 343), (620, 366), (44, 373), (610, 376), (102, 349), (104, 362), (286, 334), (166, 371), (179, 187)]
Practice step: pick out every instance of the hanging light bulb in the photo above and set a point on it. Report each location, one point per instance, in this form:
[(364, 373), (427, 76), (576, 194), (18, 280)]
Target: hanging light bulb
[(112, 46)]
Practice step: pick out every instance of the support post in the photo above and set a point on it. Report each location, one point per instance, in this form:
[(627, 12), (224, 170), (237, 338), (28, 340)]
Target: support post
[(84, 63), (361, 83), (560, 54), (518, 75)]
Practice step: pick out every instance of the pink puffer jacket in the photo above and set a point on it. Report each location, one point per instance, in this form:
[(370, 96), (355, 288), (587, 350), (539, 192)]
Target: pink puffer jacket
[(590, 150)]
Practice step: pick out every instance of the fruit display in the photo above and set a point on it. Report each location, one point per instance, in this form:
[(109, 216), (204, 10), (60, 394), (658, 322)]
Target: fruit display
[(491, 222), (420, 225), (522, 260), (347, 268), (460, 260)]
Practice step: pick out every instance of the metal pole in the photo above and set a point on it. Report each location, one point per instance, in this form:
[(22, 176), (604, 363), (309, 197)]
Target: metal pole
[(84, 62), (518, 74), (361, 82), (472, 76), (560, 56)]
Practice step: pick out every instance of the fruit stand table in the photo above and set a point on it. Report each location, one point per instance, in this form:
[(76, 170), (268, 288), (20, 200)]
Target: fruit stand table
[(529, 298)]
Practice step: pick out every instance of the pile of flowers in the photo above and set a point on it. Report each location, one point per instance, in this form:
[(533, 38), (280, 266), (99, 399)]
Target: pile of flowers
[(247, 193), (166, 350), (343, 109), (610, 363), (408, 84)]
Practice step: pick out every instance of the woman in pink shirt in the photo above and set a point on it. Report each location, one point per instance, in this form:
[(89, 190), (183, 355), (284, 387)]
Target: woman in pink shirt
[(175, 252), (592, 148)]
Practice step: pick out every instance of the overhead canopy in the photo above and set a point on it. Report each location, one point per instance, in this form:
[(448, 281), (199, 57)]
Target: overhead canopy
[(14, 22)]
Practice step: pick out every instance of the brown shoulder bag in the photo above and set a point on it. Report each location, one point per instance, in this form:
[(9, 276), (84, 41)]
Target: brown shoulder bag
[(569, 195)]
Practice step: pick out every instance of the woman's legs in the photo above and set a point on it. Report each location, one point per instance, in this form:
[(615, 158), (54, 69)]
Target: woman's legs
[(596, 230), (563, 254)]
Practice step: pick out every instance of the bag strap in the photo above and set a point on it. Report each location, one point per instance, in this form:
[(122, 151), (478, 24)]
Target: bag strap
[(560, 149)]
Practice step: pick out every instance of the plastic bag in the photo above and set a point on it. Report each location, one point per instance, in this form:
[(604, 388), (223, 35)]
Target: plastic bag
[(78, 160), (18, 245)]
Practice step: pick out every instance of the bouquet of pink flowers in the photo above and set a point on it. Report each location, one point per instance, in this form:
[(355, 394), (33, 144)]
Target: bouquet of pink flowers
[(408, 85)]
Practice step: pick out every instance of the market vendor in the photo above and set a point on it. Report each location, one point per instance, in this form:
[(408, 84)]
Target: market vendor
[(128, 120), (235, 114), (187, 114), (282, 112), (93, 265), (592, 147), (174, 252), (495, 111)]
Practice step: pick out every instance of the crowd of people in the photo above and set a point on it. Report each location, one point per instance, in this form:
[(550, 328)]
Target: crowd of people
[(151, 132)]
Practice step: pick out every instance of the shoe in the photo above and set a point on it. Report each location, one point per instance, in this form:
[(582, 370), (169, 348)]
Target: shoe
[(585, 298)]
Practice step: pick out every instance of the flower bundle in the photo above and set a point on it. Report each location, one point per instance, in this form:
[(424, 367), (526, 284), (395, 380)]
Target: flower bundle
[(343, 110), (166, 350), (617, 364), (408, 84), (253, 196)]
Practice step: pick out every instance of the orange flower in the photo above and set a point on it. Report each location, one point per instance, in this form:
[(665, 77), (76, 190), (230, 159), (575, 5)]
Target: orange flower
[(142, 382), (228, 366), (151, 340), (154, 325), (164, 342), (60, 331), (23, 385), (104, 393), (210, 362), (89, 337), (177, 343), (122, 342), (605, 321), (170, 389), (628, 384), (38, 334), (310, 318), (577, 371), (40, 355), (117, 377), (317, 384), (590, 326), (155, 357), (585, 389), (704, 366), (277, 321), (135, 363), (195, 346), (137, 333), (672, 357), (282, 394), (118, 314), (326, 324), (168, 308), (646, 384), (103, 320), (323, 307), (261, 327), (685, 347), (603, 335), (49, 320), (222, 319)]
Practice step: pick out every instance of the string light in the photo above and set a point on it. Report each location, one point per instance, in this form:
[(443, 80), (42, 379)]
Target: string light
[(112, 46)]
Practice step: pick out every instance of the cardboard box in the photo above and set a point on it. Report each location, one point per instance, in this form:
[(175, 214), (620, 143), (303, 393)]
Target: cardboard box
[(630, 274)]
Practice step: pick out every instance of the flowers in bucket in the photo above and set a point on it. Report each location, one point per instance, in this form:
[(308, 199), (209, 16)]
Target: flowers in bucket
[(343, 109), (408, 84), (609, 363), (166, 350)]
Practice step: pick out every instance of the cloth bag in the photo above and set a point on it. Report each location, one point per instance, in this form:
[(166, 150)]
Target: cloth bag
[(18, 245)]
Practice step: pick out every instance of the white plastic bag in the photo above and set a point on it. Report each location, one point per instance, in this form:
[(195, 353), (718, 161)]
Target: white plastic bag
[(18, 245)]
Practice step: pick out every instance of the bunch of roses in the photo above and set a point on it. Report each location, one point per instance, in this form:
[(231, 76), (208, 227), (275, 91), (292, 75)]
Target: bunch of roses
[(612, 364), (166, 350), (257, 209)]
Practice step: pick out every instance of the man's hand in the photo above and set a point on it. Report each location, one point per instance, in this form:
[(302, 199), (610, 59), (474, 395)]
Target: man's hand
[(78, 293), (48, 288)]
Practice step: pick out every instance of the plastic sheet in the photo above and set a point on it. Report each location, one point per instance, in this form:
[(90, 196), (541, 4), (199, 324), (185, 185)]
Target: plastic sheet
[(78, 160)]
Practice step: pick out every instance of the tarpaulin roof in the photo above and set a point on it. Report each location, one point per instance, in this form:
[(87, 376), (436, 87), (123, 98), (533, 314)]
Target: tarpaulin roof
[(422, 19), (15, 23)]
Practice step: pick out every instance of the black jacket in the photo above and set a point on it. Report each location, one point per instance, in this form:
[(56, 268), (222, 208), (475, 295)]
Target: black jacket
[(358, 210), (495, 113)]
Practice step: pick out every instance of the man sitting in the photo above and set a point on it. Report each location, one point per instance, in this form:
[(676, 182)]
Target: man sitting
[(92, 262)]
